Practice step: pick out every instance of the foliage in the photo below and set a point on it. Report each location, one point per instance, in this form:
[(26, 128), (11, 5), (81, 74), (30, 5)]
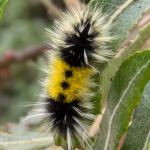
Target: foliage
[(2, 6), (125, 123), (19, 29), (25, 141), (124, 96), (139, 132)]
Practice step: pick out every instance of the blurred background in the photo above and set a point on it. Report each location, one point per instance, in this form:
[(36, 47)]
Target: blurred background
[(23, 39)]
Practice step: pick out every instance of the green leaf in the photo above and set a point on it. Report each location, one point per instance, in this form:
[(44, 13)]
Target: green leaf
[(2, 6), (127, 19), (112, 67), (25, 141), (128, 14), (124, 95), (124, 28), (107, 5), (139, 132)]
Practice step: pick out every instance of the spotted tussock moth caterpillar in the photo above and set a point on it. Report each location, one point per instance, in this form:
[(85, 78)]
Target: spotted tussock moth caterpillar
[(79, 41)]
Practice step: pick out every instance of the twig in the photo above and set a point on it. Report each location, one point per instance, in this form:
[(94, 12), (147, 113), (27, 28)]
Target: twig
[(134, 33), (55, 148), (52, 10), (95, 126), (71, 3), (121, 142), (25, 54)]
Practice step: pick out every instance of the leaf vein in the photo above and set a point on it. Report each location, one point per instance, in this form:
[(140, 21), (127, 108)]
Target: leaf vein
[(146, 142), (120, 100)]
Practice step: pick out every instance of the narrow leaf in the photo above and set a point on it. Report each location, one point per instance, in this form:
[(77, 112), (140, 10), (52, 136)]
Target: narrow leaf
[(25, 141), (112, 67), (107, 5), (124, 95), (125, 14), (127, 19), (138, 134), (131, 36)]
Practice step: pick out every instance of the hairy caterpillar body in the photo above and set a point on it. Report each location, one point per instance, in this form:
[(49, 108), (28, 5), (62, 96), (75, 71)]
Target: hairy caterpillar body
[(79, 41)]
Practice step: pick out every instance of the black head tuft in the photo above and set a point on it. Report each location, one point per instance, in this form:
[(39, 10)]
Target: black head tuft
[(79, 43)]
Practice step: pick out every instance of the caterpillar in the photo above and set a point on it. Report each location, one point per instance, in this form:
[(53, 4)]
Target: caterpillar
[(79, 41)]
